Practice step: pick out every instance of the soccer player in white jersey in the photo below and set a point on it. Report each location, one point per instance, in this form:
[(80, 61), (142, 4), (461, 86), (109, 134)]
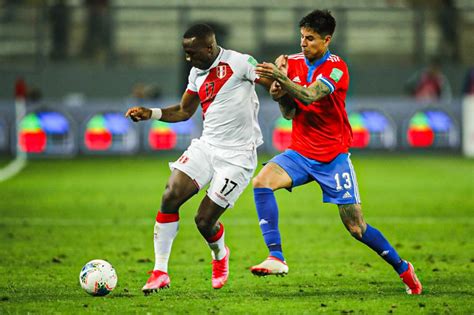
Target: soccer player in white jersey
[(223, 82)]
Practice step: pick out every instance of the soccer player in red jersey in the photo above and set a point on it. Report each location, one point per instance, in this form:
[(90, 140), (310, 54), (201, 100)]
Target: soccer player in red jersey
[(311, 88)]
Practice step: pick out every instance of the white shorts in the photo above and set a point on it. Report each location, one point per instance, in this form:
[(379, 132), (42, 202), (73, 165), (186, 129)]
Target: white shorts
[(228, 171)]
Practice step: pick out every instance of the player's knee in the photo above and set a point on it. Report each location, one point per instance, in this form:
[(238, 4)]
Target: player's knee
[(170, 199), (260, 181)]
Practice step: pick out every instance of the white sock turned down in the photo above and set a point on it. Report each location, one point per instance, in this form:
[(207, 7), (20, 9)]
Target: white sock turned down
[(218, 250)]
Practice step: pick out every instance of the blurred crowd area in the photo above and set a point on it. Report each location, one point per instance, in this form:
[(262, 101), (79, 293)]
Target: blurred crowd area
[(139, 35), (142, 33)]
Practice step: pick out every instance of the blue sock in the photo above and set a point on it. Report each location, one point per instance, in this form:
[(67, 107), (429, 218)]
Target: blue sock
[(375, 240), (267, 210)]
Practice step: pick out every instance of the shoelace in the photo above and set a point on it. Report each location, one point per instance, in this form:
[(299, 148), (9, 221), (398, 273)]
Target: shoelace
[(219, 267)]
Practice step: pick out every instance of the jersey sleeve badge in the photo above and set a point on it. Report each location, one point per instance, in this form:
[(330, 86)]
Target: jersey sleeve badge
[(336, 74), (252, 61)]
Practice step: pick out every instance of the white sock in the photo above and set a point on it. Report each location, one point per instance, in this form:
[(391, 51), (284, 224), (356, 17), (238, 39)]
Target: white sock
[(218, 250), (164, 234)]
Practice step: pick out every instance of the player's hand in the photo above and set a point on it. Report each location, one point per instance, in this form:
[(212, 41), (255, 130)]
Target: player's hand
[(138, 113), (269, 70), (276, 91), (282, 63)]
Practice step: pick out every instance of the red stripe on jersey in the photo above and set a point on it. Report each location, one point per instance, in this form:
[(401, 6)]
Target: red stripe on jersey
[(216, 78), (167, 217), (191, 92)]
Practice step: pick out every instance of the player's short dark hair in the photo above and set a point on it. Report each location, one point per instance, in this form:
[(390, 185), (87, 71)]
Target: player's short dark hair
[(320, 21), (200, 31)]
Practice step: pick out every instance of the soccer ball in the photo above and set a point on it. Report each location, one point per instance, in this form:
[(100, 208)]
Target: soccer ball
[(98, 277)]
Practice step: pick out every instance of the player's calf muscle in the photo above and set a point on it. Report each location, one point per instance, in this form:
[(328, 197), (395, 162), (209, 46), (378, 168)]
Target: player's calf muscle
[(351, 216)]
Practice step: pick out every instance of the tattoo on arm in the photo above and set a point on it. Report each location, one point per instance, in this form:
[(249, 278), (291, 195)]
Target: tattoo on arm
[(306, 95)]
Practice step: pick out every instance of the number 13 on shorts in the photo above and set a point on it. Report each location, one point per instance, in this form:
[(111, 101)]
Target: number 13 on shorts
[(343, 180)]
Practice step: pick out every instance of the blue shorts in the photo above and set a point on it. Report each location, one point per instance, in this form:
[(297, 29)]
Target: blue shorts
[(337, 178)]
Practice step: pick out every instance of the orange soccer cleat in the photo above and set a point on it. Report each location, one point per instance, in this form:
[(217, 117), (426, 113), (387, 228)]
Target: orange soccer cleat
[(220, 271), (411, 280)]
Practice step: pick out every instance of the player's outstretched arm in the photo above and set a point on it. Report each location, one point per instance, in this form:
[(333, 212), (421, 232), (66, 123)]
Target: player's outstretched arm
[(306, 95), (180, 112)]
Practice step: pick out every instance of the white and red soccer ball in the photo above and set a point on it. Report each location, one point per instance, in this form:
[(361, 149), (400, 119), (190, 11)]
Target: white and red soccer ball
[(98, 277)]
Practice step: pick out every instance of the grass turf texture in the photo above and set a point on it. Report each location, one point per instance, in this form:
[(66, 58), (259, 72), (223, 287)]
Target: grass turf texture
[(58, 214)]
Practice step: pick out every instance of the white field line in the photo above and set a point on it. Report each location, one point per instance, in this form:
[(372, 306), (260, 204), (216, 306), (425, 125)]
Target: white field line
[(15, 166), (12, 221)]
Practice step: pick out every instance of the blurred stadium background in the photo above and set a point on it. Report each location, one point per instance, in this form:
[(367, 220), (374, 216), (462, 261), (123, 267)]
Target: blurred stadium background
[(85, 62)]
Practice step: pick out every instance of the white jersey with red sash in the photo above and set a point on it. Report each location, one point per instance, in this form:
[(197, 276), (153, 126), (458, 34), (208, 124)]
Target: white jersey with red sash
[(229, 102)]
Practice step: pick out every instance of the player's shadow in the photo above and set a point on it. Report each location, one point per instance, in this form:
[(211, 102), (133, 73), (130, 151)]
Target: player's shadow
[(387, 289)]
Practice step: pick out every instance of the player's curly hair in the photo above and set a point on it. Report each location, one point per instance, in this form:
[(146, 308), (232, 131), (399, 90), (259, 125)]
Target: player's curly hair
[(201, 31), (320, 21)]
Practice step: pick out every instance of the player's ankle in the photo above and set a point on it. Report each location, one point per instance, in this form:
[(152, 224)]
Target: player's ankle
[(401, 267), (277, 254)]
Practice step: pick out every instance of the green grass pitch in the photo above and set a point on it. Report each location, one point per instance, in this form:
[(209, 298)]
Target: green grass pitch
[(58, 214)]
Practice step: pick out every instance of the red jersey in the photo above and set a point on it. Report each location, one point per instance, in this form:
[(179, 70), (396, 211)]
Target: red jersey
[(321, 130)]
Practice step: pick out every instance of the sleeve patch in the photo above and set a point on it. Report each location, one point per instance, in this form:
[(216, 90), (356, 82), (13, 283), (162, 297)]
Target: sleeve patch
[(336, 74), (252, 61)]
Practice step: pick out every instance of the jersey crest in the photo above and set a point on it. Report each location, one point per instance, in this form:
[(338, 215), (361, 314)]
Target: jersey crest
[(221, 71)]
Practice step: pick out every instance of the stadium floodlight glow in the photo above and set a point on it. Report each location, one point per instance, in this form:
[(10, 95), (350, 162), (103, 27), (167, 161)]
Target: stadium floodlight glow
[(110, 132), (372, 129), (432, 128)]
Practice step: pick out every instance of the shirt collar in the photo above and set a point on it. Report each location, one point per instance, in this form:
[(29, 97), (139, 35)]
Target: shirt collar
[(319, 61), (214, 64)]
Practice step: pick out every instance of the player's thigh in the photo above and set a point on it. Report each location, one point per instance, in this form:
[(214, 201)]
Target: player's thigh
[(180, 185), (233, 171), (338, 181), (196, 163), (228, 184), (285, 170), (272, 176)]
